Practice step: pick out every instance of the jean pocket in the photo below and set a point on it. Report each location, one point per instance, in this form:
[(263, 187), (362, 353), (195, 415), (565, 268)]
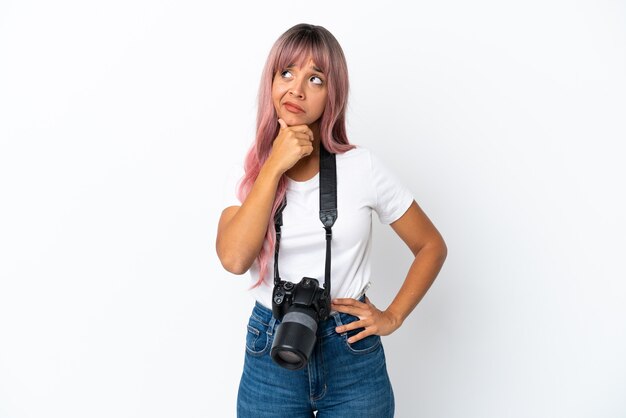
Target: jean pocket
[(363, 346), (257, 338)]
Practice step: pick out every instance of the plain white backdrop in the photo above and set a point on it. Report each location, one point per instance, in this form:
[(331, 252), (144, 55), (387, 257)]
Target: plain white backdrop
[(118, 120)]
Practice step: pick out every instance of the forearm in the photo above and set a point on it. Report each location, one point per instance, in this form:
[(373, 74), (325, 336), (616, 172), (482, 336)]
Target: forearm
[(421, 275), (241, 239)]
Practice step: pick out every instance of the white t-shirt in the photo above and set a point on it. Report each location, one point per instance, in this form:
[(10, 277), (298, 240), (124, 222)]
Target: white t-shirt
[(364, 184)]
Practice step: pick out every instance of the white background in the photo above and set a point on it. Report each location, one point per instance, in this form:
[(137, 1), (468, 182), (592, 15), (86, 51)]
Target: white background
[(117, 120)]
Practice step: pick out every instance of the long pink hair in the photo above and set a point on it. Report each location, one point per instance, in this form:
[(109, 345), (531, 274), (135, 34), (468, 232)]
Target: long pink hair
[(294, 46)]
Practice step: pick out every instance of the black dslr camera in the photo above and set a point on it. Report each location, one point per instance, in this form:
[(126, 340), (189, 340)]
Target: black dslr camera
[(300, 307)]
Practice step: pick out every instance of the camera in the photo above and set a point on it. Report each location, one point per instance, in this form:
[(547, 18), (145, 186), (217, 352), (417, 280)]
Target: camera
[(299, 307)]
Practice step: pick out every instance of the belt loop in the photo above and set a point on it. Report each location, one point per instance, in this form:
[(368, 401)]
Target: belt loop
[(270, 328), (337, 317)]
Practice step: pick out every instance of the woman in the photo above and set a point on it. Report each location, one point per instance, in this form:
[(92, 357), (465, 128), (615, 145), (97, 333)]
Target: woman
[(302, 106)]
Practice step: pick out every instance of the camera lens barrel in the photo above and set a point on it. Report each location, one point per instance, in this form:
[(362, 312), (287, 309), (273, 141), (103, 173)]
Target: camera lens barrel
[(295, 338)]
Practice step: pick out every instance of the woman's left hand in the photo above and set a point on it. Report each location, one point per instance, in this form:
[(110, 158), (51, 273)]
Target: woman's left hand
[(375, 321)]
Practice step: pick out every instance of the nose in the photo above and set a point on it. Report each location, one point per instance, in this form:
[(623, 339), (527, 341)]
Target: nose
[(297, 90)]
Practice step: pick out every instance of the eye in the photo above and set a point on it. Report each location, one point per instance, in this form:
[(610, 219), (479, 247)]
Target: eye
[(286, 74), (316, 80)]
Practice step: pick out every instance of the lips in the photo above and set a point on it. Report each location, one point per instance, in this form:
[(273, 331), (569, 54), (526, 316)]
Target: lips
[(292, 107)]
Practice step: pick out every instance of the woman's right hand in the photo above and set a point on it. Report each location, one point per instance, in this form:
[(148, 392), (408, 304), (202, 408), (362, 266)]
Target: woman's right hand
[(291, 145)]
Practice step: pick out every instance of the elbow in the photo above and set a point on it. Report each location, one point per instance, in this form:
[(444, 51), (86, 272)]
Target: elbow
[(233, 265), (438, 248), (232, 262), (235, 258), (234, 268), (237, 270), (442, 249)]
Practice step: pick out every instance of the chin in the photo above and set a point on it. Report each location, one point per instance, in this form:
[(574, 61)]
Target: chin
[(292, 120)]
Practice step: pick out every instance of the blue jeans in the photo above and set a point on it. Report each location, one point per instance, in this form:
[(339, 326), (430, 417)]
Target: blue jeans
[(340, 380)]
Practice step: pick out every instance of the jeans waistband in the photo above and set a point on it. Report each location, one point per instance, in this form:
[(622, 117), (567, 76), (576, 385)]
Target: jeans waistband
[(324, 328)]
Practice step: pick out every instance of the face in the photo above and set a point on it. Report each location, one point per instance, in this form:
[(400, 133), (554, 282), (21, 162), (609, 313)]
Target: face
[(299, 94)]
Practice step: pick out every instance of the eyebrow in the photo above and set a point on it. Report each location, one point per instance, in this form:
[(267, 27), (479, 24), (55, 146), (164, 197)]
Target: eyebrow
[(314, 67)]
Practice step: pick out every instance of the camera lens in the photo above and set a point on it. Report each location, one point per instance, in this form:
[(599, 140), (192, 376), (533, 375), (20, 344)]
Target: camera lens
[(289, 357), (295, 338)]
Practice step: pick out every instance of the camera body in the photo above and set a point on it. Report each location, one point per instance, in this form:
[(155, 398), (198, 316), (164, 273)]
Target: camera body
[(305, 295), (299, 307)]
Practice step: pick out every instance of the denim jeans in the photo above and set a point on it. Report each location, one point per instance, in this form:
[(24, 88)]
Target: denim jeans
[(340, 380)]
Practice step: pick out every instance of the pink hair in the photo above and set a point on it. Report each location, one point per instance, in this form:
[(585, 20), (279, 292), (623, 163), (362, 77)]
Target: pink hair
[(295, 46)]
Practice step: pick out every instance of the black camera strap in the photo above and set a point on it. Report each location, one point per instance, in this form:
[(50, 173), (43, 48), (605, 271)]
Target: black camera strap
[(328, 211)]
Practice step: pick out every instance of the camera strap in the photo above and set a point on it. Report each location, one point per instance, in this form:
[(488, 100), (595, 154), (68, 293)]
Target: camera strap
[(328, 211)]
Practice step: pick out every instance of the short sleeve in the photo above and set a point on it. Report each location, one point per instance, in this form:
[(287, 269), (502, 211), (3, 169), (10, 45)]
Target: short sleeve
[(392, 197), (230, 185)]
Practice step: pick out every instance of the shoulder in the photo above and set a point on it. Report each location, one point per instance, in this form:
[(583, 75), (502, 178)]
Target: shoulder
[(362, 159), (358, 155)]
